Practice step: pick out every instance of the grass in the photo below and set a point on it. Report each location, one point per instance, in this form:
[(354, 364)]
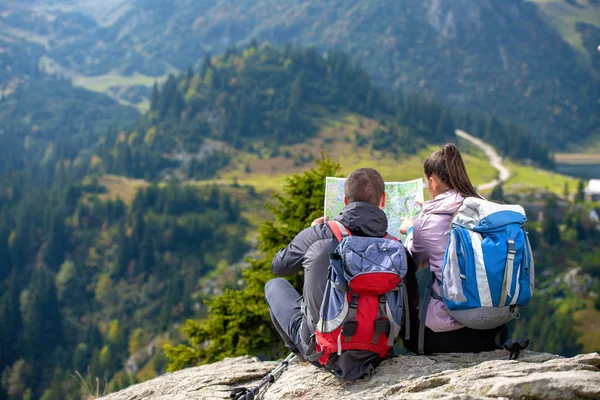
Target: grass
[(335, 140), (102, 83), (122, 187), (90, 388), (564, 17), (267, 173), (27, 35), (528, 178)]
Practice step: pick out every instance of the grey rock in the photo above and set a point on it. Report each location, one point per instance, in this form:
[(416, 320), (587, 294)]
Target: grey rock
[(447, 376)]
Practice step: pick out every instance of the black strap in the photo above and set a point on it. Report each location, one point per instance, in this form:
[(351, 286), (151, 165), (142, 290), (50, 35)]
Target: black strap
[(381, 325), (350, 325), (311, 354), (423, 314), (406, 314)]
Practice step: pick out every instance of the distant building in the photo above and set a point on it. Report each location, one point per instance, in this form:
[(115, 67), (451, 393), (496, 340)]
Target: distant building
[(592, 191), (595, 215)]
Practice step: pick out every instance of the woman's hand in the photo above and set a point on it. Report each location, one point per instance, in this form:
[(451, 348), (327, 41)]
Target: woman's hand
[(319, 221), (406, 224)]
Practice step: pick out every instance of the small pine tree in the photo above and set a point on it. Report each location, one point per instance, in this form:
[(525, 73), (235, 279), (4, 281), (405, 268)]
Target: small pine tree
[(155, 98), (498, 194), (54, 251), (42, 327), (239, 321), (580, 195), (206, 64), (566, 191), (550, 230)]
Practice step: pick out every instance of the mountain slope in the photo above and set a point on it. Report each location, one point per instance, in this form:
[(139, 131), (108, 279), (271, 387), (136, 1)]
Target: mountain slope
[(507, 58), (261, 100)]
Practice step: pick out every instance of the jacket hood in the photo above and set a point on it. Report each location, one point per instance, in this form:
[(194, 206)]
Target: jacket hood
[(364, 219), (444, 203)]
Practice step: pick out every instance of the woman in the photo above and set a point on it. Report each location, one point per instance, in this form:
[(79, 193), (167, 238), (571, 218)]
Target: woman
[(448, 185)]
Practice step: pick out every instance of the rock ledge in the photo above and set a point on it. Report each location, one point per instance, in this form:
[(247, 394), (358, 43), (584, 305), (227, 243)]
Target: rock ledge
[(449, 376)]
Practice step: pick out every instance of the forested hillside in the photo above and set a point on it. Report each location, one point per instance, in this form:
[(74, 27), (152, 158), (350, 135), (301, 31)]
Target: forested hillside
[(90, 274), (87, 280), (49, 110), (531, 62), (259, 99)]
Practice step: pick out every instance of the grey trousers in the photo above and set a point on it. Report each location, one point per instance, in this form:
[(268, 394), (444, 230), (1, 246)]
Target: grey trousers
[(286, 313)]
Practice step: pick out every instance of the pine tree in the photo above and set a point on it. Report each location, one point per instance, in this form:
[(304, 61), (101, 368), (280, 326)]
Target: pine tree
[(177, 104), (550, 230), (580, 228), (167, 95), (54, 251), (42, 327), (121, 264), (206, 65), (146, 261), (498, 193), (17, 380), (580, 195), (189, 76), (55, 391), (566, 192), (10, 324), (170, 301), (5, 263), (239, 321), (154, 98)]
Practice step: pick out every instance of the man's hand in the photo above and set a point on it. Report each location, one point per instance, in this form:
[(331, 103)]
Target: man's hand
[(319, 221), (406, 224)]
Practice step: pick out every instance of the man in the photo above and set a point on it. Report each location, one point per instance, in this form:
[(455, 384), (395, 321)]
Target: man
[(295, 317)]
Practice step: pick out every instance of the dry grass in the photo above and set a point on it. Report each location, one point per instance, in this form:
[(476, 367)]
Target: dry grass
[(269, 173), (577, 158), (336, 140), (90, 389), (121, 187)]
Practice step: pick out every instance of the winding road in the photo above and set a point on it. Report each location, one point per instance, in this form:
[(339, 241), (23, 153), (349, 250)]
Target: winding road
[(492, 155)]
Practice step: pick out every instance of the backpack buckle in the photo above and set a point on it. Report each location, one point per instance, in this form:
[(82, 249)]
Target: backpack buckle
[(354, 301), (349, 328), (382, 326)]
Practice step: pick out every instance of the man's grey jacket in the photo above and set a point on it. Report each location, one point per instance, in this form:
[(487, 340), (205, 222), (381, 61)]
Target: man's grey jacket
[(309, 251)]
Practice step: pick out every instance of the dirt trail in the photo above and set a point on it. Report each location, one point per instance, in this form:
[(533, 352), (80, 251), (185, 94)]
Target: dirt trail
[(494, 157)]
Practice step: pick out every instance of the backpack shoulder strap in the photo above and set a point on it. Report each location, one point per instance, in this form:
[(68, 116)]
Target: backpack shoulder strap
[(390, 237), (339, 230)]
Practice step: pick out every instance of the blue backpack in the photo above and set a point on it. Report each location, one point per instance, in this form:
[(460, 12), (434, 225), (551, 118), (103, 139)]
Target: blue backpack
[(488, 269)]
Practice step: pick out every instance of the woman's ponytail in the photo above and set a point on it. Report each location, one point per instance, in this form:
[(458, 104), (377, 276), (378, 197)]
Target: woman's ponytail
[(449, 167)]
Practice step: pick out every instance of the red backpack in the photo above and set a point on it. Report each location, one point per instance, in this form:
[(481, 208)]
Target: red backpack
[(364, 304)]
